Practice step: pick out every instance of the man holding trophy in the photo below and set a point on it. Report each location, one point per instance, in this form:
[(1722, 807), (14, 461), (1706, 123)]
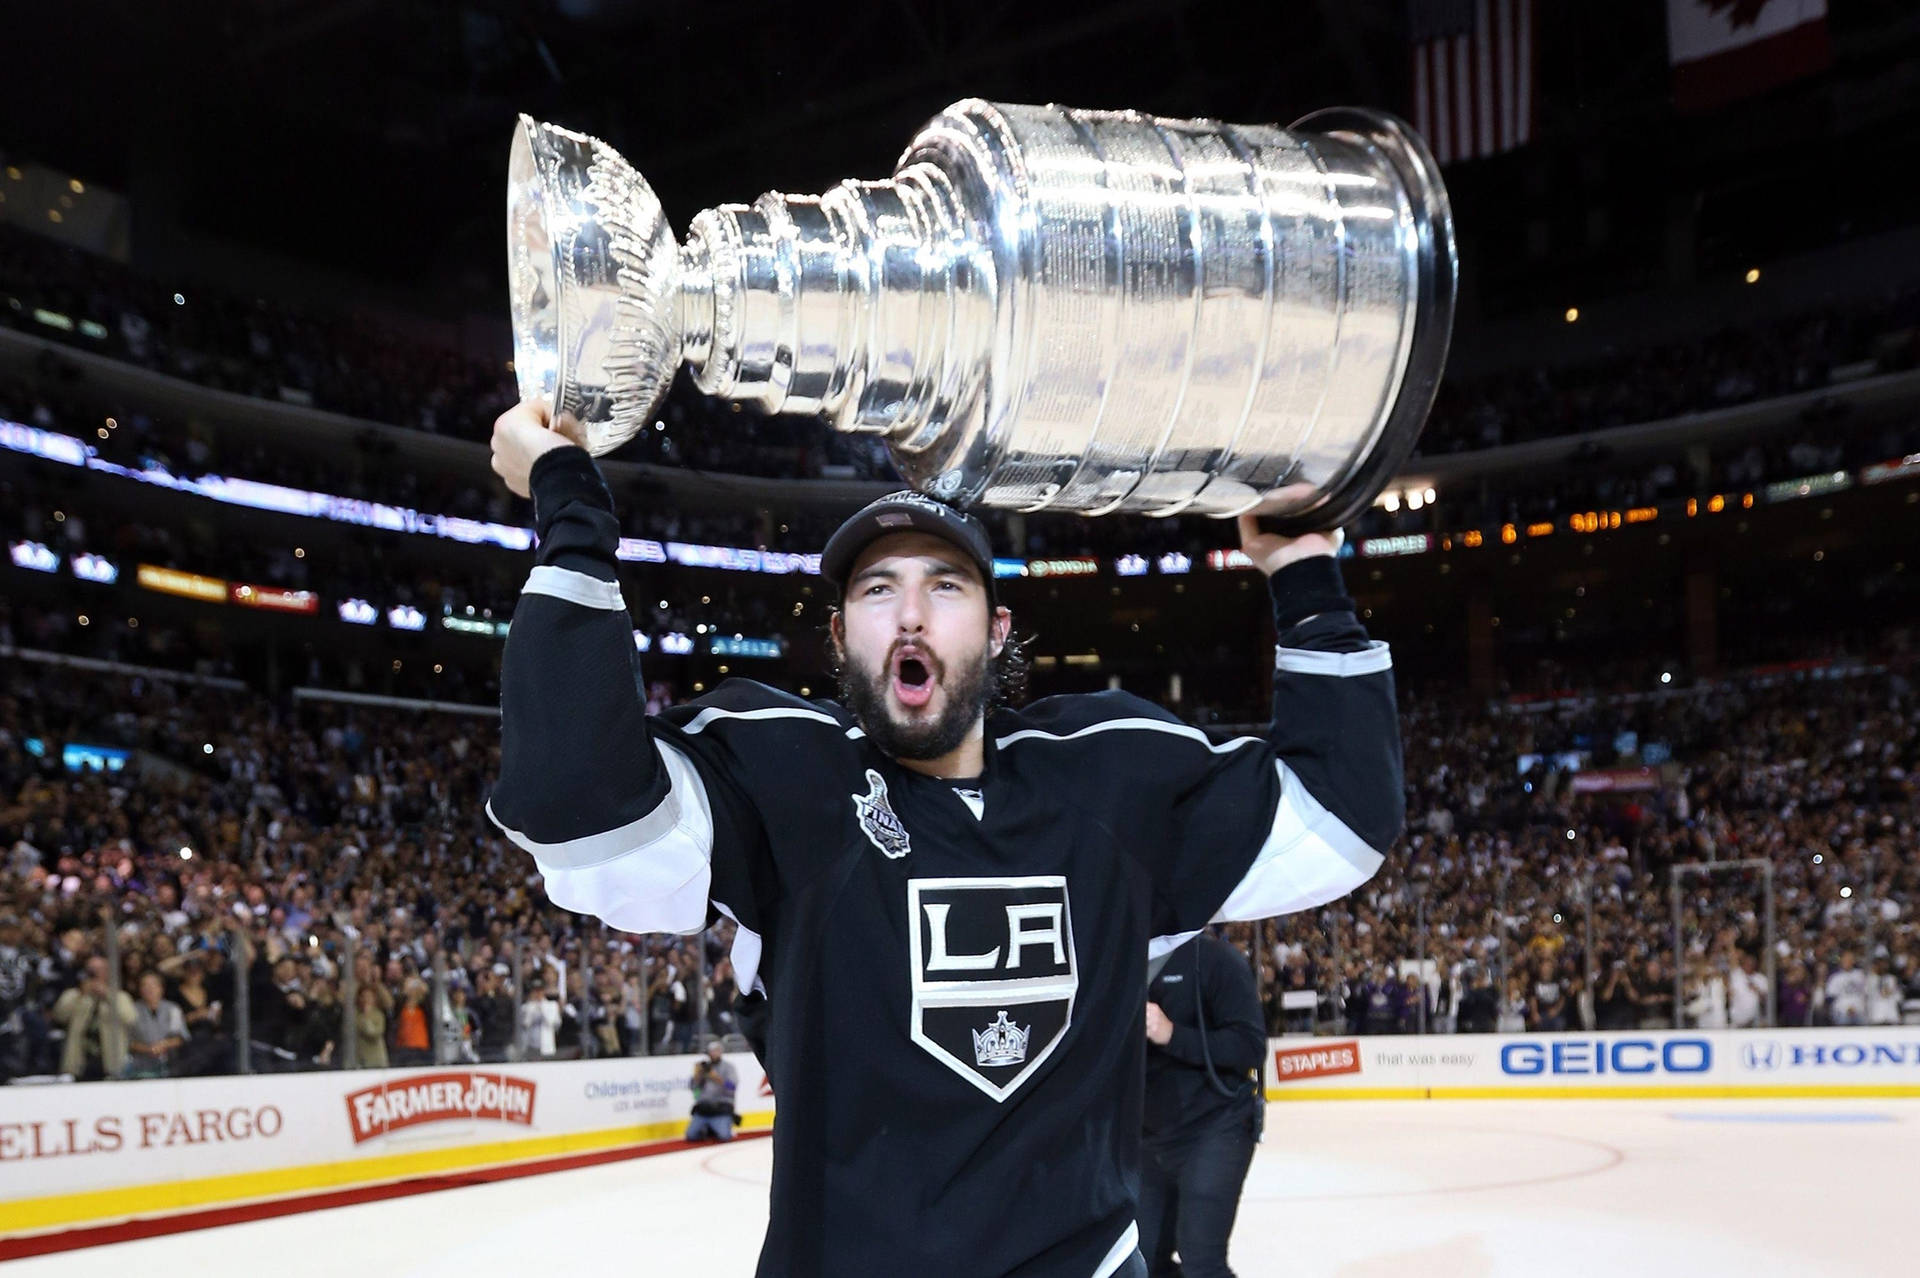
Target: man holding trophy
[(945, 900)]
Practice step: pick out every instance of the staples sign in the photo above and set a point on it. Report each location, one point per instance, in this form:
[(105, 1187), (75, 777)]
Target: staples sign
[(1291, 1064), (433, 1098)]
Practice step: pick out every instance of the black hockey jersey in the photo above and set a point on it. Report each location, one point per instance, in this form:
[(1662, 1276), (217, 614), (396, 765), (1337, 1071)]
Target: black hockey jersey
[(955, 984)]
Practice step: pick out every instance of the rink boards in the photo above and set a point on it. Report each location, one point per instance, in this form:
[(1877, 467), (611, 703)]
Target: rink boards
[(98, 1153), (1879, 1061), (109, 1155)]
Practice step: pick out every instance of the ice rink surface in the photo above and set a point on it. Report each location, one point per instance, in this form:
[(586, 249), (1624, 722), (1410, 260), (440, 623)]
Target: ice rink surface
[(1434, 1188)]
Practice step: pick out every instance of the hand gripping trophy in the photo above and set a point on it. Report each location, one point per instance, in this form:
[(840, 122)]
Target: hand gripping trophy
[(1042, 309)]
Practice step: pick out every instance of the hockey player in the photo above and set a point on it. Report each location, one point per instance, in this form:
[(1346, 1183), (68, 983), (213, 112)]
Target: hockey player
[(945, 903)]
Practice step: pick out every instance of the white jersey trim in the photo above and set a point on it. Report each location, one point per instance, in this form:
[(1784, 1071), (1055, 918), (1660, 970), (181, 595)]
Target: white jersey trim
[(1130, 725), (713, 714), (745, 955), (1375, 658), (1161, 945), (575, 587), (649, 876), (1122, 1251), (1310, 857)]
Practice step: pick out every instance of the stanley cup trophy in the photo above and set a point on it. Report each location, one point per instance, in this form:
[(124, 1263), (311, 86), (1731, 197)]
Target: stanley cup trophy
[(1043, 309)]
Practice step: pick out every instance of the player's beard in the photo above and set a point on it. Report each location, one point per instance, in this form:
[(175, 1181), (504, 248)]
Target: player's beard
[(864, 692)]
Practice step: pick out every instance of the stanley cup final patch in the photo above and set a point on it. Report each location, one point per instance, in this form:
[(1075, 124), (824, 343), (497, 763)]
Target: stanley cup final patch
[(877, 819), (994, 974)]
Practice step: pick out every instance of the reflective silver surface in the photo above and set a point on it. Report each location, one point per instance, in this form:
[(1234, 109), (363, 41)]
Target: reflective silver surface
[(1043, 308)]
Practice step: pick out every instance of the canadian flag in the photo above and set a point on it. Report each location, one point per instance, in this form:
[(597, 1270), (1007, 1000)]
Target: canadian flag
[(1723, 50)]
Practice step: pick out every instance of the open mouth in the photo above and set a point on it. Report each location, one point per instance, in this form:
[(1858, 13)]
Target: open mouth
[(912, 679)]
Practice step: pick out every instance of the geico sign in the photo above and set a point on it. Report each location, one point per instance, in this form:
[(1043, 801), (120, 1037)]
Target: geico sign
[(1608, 1056)]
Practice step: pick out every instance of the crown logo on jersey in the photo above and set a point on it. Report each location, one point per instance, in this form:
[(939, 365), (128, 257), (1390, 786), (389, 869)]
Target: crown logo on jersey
[(1001, 1043), (877, 819)]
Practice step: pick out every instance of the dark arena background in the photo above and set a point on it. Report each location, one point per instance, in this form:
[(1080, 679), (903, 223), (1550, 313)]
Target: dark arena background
[(1637, 991)]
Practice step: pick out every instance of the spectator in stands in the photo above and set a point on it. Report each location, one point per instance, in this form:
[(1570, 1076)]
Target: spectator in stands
[(370, 1028), (158, 1031), (499, 1018), (279, 1000), (1548, 1000), (1656, 997), (463, 1027), (314, 1039), (660, 1004), (1796, 997), (412, 1040), (1479, 1005), (1747, 994), (1884, 995), (539, 1022), (1706, 997), (714, 1083), (1846, 993), (1513, 1009), (721, 996), (96, 1019), (21, 973), (1617, 1004)]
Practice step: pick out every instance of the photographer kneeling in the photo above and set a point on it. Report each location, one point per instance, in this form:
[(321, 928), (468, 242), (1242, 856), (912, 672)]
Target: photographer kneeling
[(714, 1084)]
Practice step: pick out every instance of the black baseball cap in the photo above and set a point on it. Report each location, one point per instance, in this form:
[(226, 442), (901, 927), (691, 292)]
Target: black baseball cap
[(906, 511)]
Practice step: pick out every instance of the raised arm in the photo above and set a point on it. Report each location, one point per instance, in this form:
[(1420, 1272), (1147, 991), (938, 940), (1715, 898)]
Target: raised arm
[(1335, 732), (618, 822)]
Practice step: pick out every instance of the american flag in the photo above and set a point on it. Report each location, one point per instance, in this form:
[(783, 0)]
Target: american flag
[(1473, 82)]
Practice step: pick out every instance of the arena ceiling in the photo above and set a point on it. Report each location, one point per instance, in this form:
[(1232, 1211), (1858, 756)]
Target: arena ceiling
[(370, 135)]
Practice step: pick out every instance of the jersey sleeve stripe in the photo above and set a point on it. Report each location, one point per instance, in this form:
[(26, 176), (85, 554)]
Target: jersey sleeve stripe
[(1310, 857), (1121, 1252), (1375, 658), (651, 875), (1123, 725), (712, 714), (575, 587)]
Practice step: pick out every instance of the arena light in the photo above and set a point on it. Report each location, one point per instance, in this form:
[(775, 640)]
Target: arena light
[(33, 556), (188, 585), (275, 599), (402, 617), (358, 612), (1753, 275), (95, 568), (1573, 315), (1174, 564)]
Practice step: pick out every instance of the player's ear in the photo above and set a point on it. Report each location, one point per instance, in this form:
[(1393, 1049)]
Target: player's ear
[(999, 626), (837, 632)]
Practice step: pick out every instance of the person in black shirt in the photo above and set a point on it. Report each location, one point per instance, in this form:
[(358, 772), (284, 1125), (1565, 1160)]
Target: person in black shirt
[(1203, 1108), (1480, 1005), (941, 902)]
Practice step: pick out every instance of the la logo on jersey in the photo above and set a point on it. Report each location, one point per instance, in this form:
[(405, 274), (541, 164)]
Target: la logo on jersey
[(877, 818), (994, 974)]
